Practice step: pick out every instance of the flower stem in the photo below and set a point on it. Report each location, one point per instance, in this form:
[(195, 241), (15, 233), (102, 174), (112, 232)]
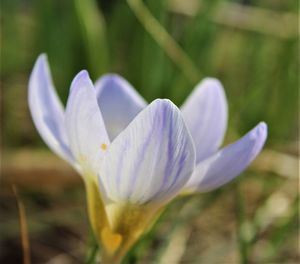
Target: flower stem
[(92, 254), (119, 255)]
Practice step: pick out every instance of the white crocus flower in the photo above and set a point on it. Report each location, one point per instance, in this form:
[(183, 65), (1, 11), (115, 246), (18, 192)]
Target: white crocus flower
[(134, 157)]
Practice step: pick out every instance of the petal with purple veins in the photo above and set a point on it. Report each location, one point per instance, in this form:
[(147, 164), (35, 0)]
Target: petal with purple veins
[(84, 123), (228, 162), (152, 159), (47, 110)]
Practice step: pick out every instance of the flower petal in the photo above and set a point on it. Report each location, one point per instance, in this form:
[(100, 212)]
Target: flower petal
[(47, 110), (119, 103), (205, 113), (85, 127), (152, 159), (228, 162)]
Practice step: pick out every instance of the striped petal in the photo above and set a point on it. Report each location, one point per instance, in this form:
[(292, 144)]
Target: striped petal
[(47, 110), (229, 162), (205, 113), (85, 127), (119, 103), (152, 159)]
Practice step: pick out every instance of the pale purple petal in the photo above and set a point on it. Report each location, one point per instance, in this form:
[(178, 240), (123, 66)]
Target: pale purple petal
[(152, 159), (205, 113), (229, 162), (119, 103), (47, 110), (85, 127)]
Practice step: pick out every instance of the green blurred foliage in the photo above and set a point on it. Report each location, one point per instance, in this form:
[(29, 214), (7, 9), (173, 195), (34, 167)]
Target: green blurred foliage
[(259, 71)]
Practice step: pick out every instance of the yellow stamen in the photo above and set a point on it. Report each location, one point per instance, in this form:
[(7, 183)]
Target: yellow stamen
[(103, 146)]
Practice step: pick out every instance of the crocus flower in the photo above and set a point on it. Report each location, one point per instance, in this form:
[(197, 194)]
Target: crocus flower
[(134, 158)]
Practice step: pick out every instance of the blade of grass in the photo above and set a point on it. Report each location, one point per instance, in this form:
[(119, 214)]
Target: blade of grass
[(240, 216), (177, 245), (93, 31), (247, 18), (23, 228), (165, 40), (189, 207), (284, 230), (93, 249)]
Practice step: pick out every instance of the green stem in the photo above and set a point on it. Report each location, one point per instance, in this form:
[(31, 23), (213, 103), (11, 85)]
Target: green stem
[(92, 254)]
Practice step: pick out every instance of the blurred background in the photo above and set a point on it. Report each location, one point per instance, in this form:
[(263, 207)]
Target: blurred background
[(163, 48)]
